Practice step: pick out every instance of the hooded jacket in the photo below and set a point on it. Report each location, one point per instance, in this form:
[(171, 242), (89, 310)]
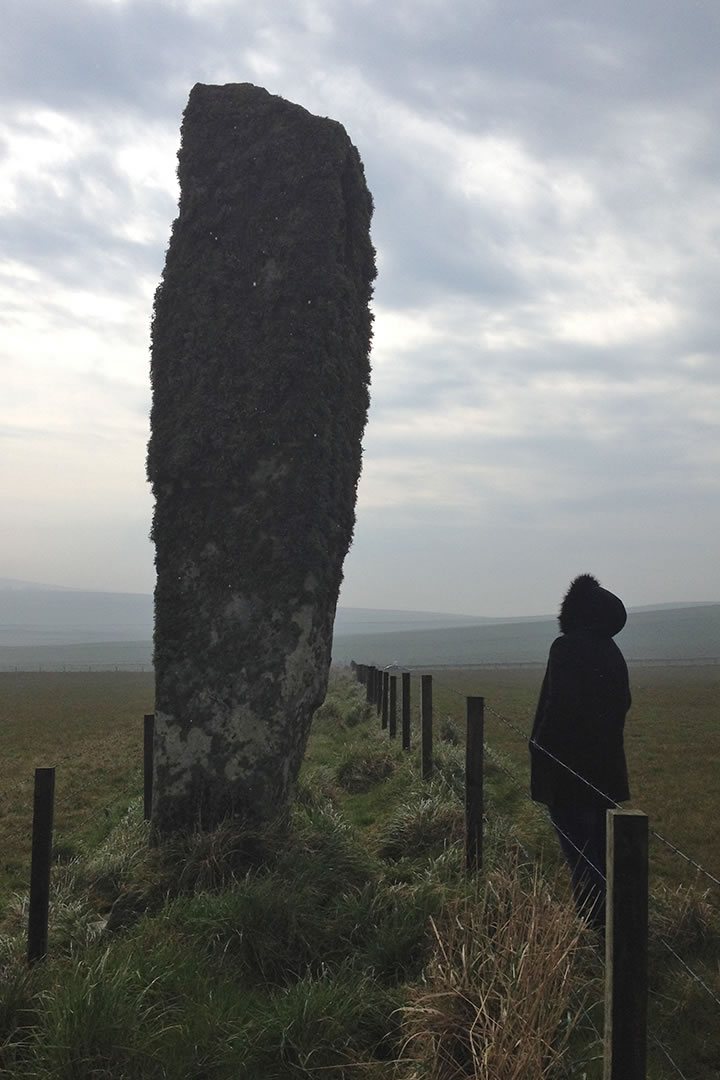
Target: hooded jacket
[(584, 698)]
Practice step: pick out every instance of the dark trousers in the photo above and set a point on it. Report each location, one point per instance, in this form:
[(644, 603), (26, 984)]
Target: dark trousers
[(582, 834)]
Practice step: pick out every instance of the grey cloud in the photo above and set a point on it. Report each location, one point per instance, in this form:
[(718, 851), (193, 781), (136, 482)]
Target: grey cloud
[(69, 218), (84, 56), (552, 71), (77, 251)]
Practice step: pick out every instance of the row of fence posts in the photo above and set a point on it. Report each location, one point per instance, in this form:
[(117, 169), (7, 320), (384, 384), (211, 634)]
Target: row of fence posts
[(626, 927)]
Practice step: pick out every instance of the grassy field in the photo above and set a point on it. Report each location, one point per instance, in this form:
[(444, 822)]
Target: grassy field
[(89, 727), (355, 946)]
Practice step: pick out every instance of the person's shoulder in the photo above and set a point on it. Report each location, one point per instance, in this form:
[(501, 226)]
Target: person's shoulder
[(616, 652), (575, 649), (563, 647)]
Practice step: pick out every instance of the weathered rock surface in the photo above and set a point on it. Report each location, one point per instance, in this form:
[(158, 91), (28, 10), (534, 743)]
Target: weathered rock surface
[(260, 372)]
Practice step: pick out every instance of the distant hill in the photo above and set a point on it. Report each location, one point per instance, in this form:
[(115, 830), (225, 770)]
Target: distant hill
[(33, 614), (48, 626), (669, 633), (351, 620), (42, 615)]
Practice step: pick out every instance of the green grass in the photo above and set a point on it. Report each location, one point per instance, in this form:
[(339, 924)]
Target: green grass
[(351, 944)]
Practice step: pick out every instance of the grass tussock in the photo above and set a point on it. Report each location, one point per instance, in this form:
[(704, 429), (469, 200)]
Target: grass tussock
[(361, 768), (449, 731), (318, 787), (422, 826), (687, 919), (497, 995), (345, 706), (449, 769), (185, 864)]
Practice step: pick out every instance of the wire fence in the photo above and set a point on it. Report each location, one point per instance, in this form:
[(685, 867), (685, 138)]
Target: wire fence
[(521, 786), (674, 848)]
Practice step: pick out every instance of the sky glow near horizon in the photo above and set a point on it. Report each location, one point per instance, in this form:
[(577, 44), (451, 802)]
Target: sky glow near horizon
[(545, 390)]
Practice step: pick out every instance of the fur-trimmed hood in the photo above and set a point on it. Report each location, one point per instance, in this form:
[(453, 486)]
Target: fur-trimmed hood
[(587, 606)]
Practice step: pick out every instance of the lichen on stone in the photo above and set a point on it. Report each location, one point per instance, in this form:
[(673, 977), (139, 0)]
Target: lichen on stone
[(260, 371)]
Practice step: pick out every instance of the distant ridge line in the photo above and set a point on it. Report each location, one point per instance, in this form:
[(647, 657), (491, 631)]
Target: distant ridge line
[(699, 661), (129, 666)]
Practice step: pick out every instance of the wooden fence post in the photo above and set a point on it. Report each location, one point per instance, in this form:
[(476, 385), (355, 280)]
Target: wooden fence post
[(378, 690), (385, 695), (426, 726), (41, 862), (392, 713), (406, 710), (474, 783), (370, 685), (148, 736), (626, 944)]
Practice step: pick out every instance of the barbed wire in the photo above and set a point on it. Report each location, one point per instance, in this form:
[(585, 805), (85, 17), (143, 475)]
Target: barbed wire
[(525, 736), (667, 1054), (517, 785), (696, 865), (446, 686), (507, 772), (690, 971), (509, 724), (538, 746), (521, 788)]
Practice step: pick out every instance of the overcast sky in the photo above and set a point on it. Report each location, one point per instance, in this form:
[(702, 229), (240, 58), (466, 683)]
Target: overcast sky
[(546, 177)]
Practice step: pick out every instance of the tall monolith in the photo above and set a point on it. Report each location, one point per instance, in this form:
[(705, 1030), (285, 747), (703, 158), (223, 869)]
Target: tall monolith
[(260, 371)]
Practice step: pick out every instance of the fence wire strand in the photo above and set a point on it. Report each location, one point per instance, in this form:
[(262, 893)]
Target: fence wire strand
[(493, 756), (687, 858), (524, 735), (698, 979), (690, 971), (521, 788), (667, 1054)]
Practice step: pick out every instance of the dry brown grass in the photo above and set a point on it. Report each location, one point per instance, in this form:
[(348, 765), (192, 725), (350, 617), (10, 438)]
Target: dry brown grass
[(497, 1001)]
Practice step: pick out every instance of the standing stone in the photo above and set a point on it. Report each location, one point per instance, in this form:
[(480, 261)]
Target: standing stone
[(260, 370)]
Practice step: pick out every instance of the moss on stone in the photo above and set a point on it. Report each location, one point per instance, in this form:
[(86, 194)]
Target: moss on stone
[(260, 372)]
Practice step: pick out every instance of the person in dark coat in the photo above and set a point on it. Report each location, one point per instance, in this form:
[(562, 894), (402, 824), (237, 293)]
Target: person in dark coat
[(577, 755)]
